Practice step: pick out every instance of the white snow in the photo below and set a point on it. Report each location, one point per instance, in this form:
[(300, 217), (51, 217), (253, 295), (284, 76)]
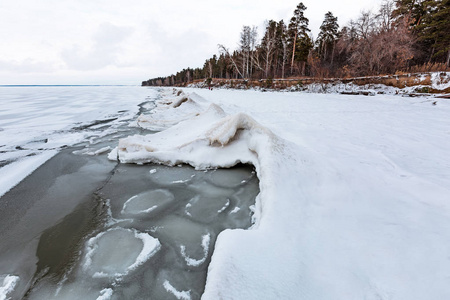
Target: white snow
[(9, 282), (181, 295), (12, 174), (105, 294), (354, 192), (197, 262)]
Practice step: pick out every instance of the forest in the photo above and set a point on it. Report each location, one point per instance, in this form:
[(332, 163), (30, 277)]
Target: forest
[(401, 36)]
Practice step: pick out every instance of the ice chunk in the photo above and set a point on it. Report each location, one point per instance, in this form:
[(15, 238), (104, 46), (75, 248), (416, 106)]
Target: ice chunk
[(9, 282), (179, 230), (146, 202), (113, 154), (116, 252), (206, 209)]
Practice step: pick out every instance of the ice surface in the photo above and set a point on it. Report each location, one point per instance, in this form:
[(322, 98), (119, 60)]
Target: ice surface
[(193, 261), (118, 251), (206, 209), (12, 174), (146, 202), (353, 201), (36, 121), (220, 177)]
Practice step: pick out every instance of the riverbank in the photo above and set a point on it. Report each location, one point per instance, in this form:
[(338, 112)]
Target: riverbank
[(413, 84)]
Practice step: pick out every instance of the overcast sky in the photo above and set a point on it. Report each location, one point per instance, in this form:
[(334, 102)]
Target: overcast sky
[(126, 42)]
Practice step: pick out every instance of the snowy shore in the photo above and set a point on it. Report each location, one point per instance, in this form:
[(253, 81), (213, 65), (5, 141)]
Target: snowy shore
[(354, 200), (354, 196)]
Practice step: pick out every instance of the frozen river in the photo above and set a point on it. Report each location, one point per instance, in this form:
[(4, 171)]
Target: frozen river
[(353, 197), (83, 226)]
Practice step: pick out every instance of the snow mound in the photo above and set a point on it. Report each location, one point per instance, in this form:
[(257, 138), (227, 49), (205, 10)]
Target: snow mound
[(440, 81), (169, 112), (199, 141), (117, 251)]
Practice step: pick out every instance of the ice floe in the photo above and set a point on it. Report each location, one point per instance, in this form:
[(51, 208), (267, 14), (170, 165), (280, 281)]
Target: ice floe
[(126, 250), (147, 202), (181, 295), (197, 262)]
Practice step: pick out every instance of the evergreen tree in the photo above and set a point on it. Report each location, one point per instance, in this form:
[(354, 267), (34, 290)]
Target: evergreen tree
[(434, 30), (281, 45), (298, 30), (327, 37)]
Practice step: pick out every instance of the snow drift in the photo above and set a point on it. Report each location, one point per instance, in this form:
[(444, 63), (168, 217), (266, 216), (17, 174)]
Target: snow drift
[(338, 216)]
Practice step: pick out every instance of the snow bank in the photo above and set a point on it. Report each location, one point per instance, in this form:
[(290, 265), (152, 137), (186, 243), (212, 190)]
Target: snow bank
[(353, 199), (173, 108), (199, 142)]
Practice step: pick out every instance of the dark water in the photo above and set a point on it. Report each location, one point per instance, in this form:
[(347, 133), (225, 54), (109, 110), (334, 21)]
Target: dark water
[(83, 227)]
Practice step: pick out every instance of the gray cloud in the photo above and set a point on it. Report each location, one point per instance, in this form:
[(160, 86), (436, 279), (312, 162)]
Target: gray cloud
[(107, 45), (27, 66)]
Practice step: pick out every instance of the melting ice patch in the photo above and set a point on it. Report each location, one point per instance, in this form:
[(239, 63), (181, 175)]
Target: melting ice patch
[(9, 282), (146, 202), (116, 252)]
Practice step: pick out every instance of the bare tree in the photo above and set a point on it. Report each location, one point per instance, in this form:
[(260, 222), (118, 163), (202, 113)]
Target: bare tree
[(223, 50)]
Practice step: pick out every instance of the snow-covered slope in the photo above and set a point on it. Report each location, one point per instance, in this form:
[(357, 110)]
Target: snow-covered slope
[(354, 201)]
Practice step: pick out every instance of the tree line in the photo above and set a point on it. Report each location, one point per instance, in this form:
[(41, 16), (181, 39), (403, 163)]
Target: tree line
[(402, 35)]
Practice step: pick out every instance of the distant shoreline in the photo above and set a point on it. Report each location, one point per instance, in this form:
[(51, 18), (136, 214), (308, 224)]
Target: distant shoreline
[(62, 85)]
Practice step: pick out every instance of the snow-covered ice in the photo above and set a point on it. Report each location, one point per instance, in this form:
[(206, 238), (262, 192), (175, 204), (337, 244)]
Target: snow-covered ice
[(35, 121), (354, 200)]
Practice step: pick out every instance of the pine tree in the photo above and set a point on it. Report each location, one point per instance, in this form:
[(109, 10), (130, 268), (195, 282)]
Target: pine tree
[(298, 29), (327, 37), (281, 46), (434, 30)]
